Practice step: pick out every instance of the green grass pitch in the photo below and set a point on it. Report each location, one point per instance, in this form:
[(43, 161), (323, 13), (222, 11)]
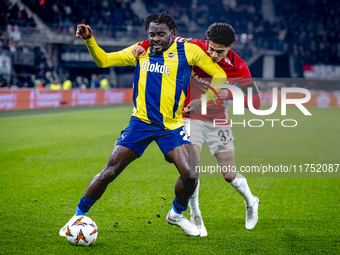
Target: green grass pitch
[(47, 158)]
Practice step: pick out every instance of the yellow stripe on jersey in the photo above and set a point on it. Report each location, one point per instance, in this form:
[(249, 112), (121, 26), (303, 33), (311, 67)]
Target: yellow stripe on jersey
[(140, 106), (168, 88), (167, 76)]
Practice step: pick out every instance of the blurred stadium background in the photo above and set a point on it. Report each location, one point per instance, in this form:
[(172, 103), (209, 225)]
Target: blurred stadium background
[(278, 39), (46, 159)]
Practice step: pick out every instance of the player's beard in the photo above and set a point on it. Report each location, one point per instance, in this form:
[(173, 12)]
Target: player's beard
[(159, 47)]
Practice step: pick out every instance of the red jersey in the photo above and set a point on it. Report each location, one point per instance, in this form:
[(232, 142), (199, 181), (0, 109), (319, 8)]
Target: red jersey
[(237, 72)]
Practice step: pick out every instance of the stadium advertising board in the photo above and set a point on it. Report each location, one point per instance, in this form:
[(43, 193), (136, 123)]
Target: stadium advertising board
[(12, 99), (321, 71)]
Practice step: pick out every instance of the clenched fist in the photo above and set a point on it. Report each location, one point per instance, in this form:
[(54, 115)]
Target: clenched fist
[(84, 31)]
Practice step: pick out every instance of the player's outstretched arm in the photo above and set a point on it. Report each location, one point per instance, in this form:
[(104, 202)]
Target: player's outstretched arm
[(100, 57)]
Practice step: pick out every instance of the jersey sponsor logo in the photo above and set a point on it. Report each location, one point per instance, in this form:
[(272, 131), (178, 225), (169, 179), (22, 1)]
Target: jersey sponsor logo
[(155, 68), (179, 39), (171, 55), (200, 79)]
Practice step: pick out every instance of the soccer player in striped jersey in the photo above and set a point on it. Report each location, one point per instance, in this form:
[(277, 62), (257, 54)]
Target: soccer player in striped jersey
[(160, 80), (200, 127)]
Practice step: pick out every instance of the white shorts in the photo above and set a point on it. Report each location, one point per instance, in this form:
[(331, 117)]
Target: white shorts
[(218, 138)]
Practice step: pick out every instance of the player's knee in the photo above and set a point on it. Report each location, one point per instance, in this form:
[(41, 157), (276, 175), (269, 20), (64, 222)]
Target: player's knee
[(189, 176), (190, 181), (229, 176), (107, 175), (228, 179)]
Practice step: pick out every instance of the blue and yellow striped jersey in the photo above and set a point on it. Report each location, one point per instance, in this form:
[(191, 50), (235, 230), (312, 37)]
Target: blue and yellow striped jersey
[(160, 80)]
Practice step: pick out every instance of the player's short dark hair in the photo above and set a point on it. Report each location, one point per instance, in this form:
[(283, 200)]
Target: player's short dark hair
[(221, 33), (160, 18)]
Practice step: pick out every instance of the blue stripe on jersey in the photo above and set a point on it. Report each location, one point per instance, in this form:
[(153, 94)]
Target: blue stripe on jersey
[(181, 82), (153, 90), (135, 83), (186, 82)]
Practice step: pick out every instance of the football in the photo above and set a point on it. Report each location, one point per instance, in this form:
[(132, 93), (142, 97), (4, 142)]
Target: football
[(81, 230)]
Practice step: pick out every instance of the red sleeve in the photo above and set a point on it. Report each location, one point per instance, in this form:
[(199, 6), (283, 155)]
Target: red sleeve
[(200, 43), (244, 75), (256, 101), (145, 44), (240, 73), (245, 80)]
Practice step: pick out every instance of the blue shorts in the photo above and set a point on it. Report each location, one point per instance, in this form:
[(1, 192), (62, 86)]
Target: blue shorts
[(138, 135)]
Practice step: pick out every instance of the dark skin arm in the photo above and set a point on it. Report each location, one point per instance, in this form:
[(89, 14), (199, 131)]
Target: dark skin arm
[(84, 31), (138, 51)]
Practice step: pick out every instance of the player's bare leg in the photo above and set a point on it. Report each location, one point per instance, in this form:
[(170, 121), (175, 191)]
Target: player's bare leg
[(119, 159), (227, 161), (185, 160)]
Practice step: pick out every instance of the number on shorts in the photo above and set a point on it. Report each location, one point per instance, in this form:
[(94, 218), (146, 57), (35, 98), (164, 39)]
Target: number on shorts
[(222, 135), (185, 138)]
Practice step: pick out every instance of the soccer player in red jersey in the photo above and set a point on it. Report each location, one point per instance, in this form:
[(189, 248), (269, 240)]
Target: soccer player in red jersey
[(200, 127)]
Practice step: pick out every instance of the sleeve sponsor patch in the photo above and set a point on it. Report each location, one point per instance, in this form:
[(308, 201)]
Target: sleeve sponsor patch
[(181, 39)]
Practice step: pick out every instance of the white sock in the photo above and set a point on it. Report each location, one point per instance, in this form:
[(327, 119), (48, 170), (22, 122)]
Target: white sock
[(241, 186), (173, 213), (193, 202)]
